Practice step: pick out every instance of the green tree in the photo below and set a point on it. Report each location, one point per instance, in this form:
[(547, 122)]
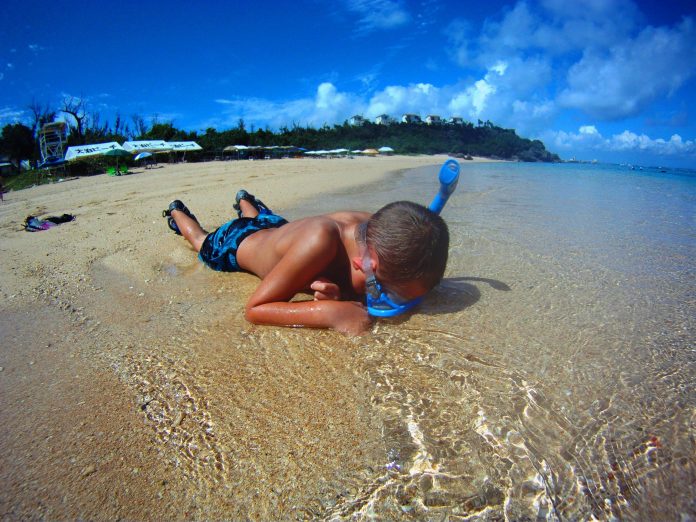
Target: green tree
[(17, 142), (161, 131)]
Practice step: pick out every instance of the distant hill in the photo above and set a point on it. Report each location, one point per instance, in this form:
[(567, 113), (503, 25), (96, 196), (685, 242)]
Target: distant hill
[(484, 139)]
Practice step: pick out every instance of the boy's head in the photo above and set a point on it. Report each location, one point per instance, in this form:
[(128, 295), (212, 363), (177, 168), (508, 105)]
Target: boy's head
[(411, 244)]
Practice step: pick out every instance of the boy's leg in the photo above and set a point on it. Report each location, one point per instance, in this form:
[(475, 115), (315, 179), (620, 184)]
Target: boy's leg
[(190, 229), (248, 210)]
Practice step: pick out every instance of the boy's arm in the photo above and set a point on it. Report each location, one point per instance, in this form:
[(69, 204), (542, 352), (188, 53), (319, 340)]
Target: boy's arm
[(301, 265), (345, 316)]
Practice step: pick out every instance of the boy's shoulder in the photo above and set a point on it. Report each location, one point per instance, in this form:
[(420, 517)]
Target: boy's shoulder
[(332, 223)]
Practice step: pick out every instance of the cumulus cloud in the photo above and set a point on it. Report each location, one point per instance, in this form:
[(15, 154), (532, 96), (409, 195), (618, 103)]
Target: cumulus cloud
[(511, 93), (556, 27), (396, 100), (492, 96), (472, 101), (589, 138), (459, 33), (329, 105), (590, 55), (621, 82)]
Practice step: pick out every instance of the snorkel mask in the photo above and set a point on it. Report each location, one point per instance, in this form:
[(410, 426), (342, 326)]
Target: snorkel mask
[(381, 303)]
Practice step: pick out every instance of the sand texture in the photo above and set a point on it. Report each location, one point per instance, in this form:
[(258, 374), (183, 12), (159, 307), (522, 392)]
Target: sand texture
[(132, 387)]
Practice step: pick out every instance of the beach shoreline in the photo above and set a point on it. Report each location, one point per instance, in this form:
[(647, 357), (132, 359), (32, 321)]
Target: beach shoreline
[(85, 303)]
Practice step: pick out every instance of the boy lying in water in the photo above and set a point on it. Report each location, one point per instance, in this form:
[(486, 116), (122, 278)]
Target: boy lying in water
[(397, 255)]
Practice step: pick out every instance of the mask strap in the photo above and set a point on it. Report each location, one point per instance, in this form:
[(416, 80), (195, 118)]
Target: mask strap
[(371, 285)]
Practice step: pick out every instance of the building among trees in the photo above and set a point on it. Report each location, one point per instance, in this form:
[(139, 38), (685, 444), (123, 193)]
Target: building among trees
[(357, 120), (411, 118)]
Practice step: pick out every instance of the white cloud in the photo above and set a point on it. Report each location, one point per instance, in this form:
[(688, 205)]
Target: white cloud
[(10, 115), (589, 130), (624, 80), (557, 26), (493, 96), (512, 93), (589, 138), (396, 100), (534, 114), (458, 33), (589, 55), (329, 106), (473, 100), (378, 14)]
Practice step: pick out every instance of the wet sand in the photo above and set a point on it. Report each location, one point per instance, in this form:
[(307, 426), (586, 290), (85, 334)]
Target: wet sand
[(131, 385)]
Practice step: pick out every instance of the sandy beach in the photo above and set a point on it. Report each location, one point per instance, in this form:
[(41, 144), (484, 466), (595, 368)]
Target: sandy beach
[(548, 377), (133, 387)]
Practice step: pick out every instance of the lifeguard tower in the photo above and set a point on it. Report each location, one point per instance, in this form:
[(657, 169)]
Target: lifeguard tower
[(52, 137)]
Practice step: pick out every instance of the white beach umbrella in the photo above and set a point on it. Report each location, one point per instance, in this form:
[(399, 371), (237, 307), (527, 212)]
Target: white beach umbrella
[(142, 155)]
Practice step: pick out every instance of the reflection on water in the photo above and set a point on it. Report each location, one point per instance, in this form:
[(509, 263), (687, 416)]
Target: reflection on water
[(551, 375)]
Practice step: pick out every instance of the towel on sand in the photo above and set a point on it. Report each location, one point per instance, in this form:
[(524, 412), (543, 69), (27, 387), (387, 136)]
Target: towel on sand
[(34, 224)]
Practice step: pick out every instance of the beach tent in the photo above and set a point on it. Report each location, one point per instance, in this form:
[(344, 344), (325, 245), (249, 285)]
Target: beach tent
[(97, 149), (183, 146), (146, 146), (242, 151)]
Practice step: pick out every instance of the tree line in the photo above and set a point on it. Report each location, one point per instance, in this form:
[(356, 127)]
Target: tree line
[(19, 141)]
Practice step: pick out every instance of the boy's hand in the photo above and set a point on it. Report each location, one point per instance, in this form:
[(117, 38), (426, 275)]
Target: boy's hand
[(353, 319), (325, 290)]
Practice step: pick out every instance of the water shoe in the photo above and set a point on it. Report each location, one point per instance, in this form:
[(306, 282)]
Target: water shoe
[(176, 205), (255, 202)]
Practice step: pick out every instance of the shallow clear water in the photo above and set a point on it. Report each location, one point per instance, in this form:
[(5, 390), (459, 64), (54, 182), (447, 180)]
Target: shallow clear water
[(551, 375)]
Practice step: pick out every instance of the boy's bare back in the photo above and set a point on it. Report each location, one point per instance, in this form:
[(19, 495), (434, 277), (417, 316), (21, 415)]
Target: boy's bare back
[(290, 258)]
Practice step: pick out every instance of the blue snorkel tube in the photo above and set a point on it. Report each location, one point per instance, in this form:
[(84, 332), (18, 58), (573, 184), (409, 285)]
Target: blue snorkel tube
[(449, 177), (381, 304)]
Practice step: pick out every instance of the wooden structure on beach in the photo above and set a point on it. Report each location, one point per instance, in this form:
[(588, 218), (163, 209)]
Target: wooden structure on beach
[(52, 138)]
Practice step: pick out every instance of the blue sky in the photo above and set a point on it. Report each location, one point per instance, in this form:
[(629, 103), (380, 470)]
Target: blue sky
[(607, 79)]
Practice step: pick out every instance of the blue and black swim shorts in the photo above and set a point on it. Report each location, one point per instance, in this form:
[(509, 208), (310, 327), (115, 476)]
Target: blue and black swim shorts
[(219, 249)]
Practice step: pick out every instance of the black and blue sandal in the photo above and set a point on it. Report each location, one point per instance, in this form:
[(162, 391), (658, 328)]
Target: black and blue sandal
[(176, 205), (255, 202)]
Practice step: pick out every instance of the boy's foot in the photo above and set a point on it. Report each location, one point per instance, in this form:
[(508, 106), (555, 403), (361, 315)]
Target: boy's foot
[(255, 202), (171, 222)]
